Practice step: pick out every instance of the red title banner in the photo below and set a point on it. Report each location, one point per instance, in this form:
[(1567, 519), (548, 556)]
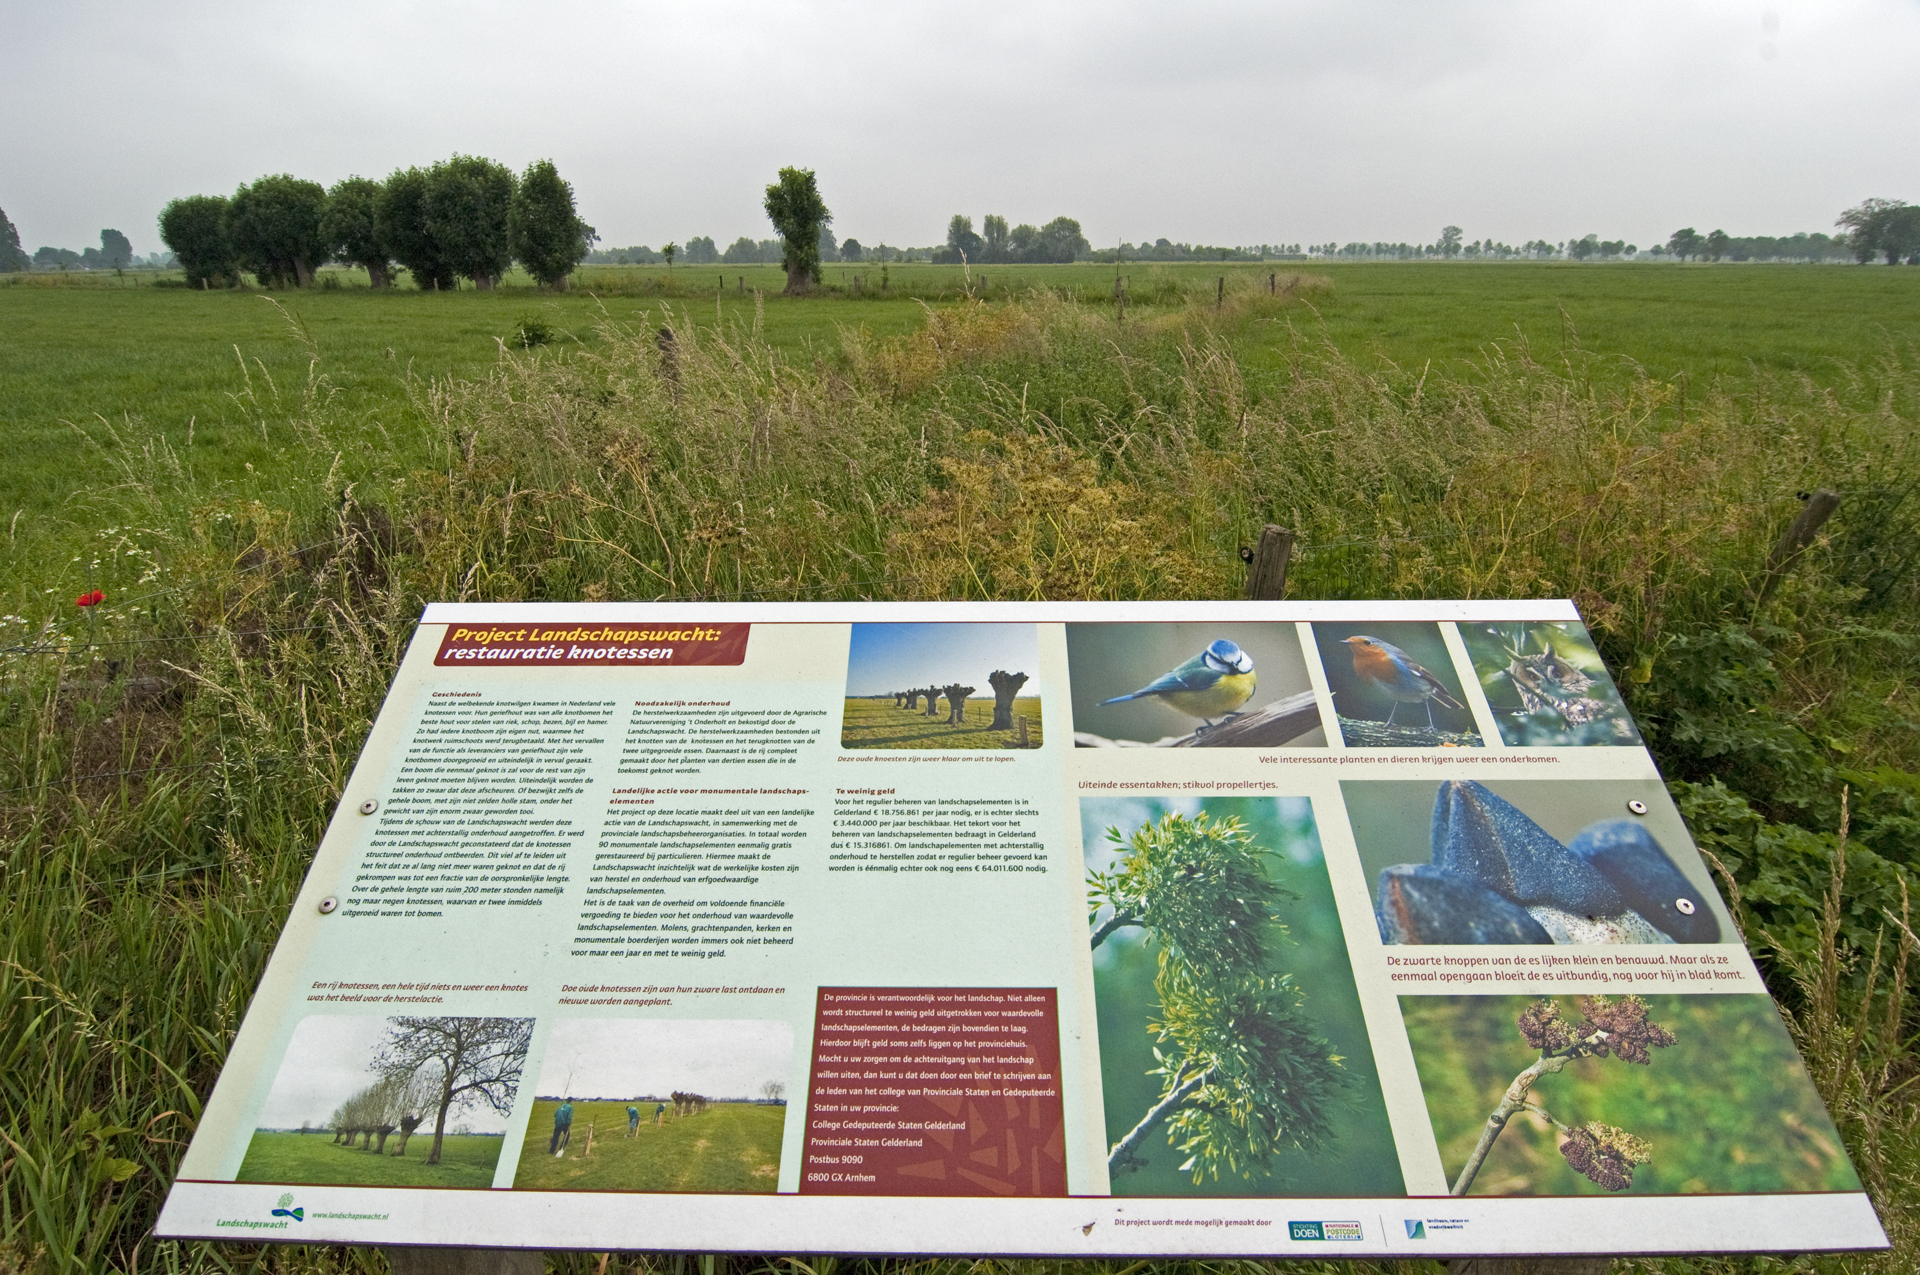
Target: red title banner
[(573, 645)]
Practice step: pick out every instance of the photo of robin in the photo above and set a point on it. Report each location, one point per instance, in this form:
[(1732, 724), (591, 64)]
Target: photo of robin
[(1395, 686)]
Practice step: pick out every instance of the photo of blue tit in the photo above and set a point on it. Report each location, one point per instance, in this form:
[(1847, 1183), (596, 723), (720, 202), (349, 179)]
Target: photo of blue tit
[(1210, 686)]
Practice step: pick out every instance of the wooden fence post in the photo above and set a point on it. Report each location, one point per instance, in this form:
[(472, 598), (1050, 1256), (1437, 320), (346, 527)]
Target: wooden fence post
[(1818, 507), (1267, 567), (1220, 293)]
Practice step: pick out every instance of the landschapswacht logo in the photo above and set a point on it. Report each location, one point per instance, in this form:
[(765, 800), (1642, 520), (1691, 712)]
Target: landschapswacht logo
[(1416, 1229), (298, 1215), (1323, 1230)]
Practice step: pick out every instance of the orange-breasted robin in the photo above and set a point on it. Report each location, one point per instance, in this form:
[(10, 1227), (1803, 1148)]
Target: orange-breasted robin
[(1394, 673)]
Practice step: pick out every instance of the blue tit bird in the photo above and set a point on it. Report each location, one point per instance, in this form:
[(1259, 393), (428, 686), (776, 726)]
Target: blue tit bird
[(1212, 684)]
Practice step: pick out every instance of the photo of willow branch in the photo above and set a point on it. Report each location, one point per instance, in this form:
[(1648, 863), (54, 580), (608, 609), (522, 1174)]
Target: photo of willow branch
[(1599, 1095), (1234, 1059), (1394, 685), (945, 686), (1191, 686), (1531, 861), (399, 1101), (1547, 685)]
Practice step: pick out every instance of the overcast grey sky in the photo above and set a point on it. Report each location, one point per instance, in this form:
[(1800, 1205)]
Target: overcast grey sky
[(1232, 121), (627, 1057)]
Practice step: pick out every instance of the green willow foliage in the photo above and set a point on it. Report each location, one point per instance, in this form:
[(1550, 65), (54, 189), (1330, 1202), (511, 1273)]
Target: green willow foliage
[(1244, 1076)]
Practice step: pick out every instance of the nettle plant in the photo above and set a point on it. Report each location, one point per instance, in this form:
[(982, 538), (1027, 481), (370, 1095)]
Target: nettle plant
[(1605, 1028), (1243, 1074)]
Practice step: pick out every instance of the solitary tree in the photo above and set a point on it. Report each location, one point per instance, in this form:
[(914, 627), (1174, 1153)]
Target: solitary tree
[(774, 1090), (1717, 244), (468, 203), (1686, 242), (275, 228), (543, 230), (116, 250), (475, 1059), (995, 244), (1243, 1075), (400, 223), (962, 243), (352, 228), (195, 230), (1449, 244), (12, 256), (794, 206), (851, 250)]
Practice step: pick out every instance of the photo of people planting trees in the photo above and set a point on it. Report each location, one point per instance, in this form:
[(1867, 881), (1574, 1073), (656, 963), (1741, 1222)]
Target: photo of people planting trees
[(1352, 494)]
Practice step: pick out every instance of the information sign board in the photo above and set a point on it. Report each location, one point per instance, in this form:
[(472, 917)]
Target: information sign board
[(1069, 929)]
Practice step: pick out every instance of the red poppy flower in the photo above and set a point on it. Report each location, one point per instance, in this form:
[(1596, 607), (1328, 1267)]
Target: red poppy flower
[(90, 599)]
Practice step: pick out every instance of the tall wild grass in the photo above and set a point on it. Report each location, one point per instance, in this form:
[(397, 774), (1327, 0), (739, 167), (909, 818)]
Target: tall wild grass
[(171, 756)]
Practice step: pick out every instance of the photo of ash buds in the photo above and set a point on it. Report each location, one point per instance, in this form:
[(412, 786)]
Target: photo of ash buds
[(1642, 1095)]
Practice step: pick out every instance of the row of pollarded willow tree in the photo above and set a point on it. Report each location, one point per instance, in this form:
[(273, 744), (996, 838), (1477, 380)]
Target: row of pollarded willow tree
[(1005, 686), (434, 1067), (463, 218)]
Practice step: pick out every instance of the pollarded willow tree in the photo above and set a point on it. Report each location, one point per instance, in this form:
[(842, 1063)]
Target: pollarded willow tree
[(544, 230), (474, 1060), (195, 231), (467, 205), (275, 228), (1243, 1074), (352, 229), (794, 206)]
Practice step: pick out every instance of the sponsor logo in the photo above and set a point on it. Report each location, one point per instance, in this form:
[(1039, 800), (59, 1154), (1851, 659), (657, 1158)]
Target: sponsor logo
[(1416, 1229), (285, 1209), (1323, 1231)]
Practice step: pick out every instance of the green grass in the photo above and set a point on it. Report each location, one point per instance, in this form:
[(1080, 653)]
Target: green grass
[(167, 760), (211, 372), (314, 1159), (731, 1147), (876, 723), (102, 355)]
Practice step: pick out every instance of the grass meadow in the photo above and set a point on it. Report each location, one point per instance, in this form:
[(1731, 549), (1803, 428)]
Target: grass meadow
[(867, 722), (731, 1147), (266, 523), (315, 1159)]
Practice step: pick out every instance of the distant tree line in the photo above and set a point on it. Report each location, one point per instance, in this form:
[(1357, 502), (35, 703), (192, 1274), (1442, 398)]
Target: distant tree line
[(1058, 240), (702, 251), (1889, 228), (114, 253), (463, 218)]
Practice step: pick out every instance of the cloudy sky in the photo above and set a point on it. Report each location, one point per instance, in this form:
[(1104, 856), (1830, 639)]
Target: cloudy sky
[(327, 1062), (624, 1058), (1221, 121)]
